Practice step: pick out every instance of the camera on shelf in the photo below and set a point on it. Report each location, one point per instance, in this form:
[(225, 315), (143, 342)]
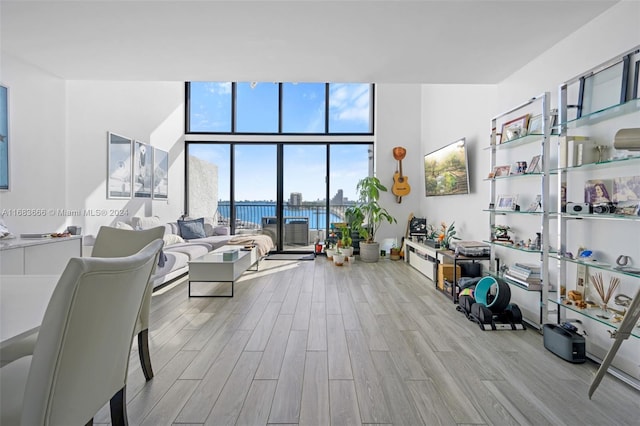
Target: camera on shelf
[(578, 208), (604, 208)]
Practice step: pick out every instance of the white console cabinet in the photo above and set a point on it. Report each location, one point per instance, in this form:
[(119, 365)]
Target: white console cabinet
[(41, 256), (422, 257)]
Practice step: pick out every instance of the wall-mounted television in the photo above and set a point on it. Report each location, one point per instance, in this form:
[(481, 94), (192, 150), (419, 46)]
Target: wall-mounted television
[(446, 171)]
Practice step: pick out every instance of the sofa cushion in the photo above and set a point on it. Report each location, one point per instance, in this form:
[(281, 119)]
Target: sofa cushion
[(145, 222), (192, 229), (171, 239), (124, 225), (192, 249)]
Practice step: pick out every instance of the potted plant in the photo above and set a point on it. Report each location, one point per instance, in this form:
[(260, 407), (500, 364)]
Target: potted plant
[(339, 257), (394, 253), (346, 241), (367, 215)]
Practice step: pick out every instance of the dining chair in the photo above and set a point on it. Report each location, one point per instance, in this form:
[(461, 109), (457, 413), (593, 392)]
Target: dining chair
[(115, 242), (110, 242), (81, 356)]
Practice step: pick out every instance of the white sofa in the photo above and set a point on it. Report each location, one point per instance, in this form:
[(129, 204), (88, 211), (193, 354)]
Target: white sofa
[(180, 246)]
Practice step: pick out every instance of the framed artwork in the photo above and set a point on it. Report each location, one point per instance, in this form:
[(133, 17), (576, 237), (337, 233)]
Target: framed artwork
[(536, 205), (597, 191), (534, 165), (582, 280), (514, 129), (160, 174), (119, 158), (535, 125), (501, 171), (142, 169), (506, 202), (4, 138), (626, 195)]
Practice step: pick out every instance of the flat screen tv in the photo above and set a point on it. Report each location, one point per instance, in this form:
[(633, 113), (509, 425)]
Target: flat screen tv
[(446, 170)]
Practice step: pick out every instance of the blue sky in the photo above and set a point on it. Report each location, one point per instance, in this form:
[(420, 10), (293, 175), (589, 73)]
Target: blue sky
[(303, 112)]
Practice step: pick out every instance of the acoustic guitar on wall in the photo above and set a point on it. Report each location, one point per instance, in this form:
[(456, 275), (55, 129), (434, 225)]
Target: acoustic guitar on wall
[(400, 186)]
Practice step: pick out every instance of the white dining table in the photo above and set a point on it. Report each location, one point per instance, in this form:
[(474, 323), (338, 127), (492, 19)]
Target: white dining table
[(23, 301)]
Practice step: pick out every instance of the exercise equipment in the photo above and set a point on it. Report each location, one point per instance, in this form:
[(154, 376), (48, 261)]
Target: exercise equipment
[(489, 305)]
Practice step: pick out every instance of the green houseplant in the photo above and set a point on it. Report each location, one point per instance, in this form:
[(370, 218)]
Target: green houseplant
[(367, 215)]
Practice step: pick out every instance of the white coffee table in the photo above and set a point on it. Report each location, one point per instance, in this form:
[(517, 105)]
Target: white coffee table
[(213, 268)]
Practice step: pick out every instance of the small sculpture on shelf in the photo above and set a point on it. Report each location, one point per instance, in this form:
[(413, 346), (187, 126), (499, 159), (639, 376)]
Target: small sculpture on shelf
[(501, 234)]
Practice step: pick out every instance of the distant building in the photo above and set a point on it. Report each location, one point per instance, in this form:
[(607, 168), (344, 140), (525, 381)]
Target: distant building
[(295, 199), (338, 199)]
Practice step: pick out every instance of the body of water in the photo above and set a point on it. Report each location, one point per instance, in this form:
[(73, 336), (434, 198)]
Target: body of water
[(251, 214)]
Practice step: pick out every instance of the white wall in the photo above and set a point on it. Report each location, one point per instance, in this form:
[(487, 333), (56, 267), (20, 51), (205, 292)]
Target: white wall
[(397, 123), (151, 112), (37, 154), (451, 112), (59, 147)]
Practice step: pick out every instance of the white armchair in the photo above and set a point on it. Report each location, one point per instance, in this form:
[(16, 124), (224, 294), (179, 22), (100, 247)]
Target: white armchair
[(81, 357)]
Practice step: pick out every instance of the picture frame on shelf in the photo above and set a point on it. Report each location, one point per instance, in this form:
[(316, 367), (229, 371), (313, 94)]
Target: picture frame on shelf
[(521, 168), (514, 129), (501, 171), (604, 88), (626, 195), (142, 170), (535, 125), (536, 205), (506, 202), (534, 165), (582, 279), (598, 191), (119, 167)]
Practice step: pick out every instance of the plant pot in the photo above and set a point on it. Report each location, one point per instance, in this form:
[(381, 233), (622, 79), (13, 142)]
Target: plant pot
[(395, 254), (330, 253), (369, 252), (348, 251), (338, 259), (352, 259)]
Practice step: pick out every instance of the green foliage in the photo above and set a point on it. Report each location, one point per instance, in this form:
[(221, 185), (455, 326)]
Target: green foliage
[(346, 236), (367, 215)]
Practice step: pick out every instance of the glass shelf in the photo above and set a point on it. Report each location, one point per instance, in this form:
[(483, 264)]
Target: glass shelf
[(596, 265), (590, 166), (593, 314), (522, 140), (511, 246), (505, 212), (603, 114), (598, 216), (518, 175), (515, 283)]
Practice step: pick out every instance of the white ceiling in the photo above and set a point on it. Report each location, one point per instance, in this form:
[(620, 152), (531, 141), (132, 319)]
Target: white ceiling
[(399, 41)]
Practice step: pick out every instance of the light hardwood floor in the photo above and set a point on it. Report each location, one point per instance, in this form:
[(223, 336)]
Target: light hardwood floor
[(310, 343)]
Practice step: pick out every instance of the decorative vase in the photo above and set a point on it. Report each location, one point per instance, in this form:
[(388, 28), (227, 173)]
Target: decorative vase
[(338, 259)]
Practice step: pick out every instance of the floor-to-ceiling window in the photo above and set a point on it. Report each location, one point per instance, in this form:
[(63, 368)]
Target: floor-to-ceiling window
[(298, 179)]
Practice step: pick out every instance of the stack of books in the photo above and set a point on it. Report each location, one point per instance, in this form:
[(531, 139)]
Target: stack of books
[(526, 274)]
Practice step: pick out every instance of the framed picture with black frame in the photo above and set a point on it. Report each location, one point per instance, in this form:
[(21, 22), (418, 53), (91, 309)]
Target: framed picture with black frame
[(4, 138), (160, 174), (119, 167)]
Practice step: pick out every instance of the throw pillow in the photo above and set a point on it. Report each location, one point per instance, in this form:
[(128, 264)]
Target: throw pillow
[(124, 225), (145, 222), (192, 229), (170, 239)]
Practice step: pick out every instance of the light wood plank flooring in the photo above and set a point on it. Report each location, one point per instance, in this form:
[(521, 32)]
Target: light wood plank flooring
[(310, 343)]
